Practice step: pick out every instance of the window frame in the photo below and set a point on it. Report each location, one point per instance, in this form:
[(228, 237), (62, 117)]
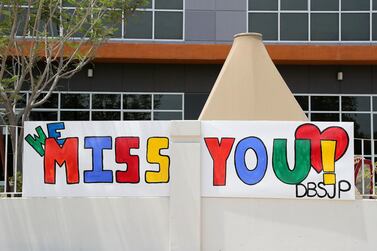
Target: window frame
[(372, 11)]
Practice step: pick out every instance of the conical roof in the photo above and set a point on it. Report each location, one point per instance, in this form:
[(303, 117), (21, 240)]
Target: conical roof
[(249, 87)]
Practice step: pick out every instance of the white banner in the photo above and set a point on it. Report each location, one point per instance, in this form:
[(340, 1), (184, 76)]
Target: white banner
[(277, 160), (238, 159), (96, 159)]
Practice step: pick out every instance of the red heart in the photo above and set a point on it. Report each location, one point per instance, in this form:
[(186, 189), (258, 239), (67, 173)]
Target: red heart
[(312, 132)]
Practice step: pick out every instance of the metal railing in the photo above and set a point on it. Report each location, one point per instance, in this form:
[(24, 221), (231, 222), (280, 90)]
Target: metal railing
[(11, 165), (365, 167)]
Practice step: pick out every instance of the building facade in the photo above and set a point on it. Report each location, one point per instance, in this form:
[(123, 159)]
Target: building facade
[(164, 60)]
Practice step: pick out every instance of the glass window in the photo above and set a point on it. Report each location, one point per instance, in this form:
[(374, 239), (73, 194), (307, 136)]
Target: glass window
[(68, 14), (70, 3), (325, 5), (375, 104), (325, 117), (375, 128), (169, 4), (355, 103), (106, 101), (325, 103), (294, 5), (168, 25), (263, 4), (303, 102), (74, 101), (74, 115), (43, 116), (294, 26), (374, 26), (374, 4), (324, 27), (21, 102), (116, 25), (167, 102), (361, 124), (139, 25), (352, 30), (367, 146), (137, 101), (167, 115), (52, 101), (105, 115), (137, 116), (265, 23), (355, 4)]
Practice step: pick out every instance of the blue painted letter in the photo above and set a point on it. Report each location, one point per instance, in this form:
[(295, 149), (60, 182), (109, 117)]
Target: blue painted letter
[(53, 128), (254, 176), (98, 175)]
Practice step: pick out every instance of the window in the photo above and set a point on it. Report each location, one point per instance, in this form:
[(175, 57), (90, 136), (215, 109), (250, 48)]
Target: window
[(324, 26), (161, 19), (69, 106), (314, 20), (158, 20), (265, 23)]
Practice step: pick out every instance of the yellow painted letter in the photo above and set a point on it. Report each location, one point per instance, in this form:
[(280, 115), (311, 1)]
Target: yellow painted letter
[(154, 156)]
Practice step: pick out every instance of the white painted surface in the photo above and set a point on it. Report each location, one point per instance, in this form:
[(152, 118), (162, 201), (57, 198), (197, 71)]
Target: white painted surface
[(185, 221), (227, 224), (281, 224), (55, 224), (185, 194)]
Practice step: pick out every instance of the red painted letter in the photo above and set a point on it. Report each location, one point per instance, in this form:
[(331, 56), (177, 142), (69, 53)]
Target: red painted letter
[(66, 154), (219, 153), (122, 155)]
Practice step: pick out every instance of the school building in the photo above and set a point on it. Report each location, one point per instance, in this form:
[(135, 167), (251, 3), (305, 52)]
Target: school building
[(163, 62)]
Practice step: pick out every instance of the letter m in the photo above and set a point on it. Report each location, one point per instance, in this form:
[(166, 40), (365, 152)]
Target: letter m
[(66, 154)]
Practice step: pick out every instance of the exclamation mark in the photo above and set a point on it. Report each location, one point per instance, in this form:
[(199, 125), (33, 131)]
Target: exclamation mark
[(328, 161)]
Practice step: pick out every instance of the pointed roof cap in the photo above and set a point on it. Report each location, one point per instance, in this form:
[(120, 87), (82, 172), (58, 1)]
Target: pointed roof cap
[(249, 87)]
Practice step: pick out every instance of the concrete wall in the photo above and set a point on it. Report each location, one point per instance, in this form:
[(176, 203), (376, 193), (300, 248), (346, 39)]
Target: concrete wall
[(185, 221)]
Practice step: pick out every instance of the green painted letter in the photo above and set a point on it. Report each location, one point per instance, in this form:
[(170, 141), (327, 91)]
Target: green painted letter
[(38, 141), (302, 161)]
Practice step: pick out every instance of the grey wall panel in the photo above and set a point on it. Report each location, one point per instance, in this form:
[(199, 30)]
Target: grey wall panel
[(201, 78), (229, 23), (169, 78), (323, 79), (296, 77), (138, 77), (356, 79), (200, 4), (374, 78), (231, 5), (200, 25), (194, 103), (79, 82), (107, 77)]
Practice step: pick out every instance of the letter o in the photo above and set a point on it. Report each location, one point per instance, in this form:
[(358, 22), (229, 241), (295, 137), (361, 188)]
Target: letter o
[(254, 176)]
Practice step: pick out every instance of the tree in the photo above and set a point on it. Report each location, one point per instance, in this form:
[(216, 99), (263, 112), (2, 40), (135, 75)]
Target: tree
[(44, 41)]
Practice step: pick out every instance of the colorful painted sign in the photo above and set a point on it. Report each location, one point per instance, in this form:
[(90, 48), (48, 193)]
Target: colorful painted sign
[(96, 159), (238, 159), (277, 160)]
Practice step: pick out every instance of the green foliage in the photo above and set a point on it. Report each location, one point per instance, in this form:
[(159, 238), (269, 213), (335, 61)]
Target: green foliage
[(92, 19)]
